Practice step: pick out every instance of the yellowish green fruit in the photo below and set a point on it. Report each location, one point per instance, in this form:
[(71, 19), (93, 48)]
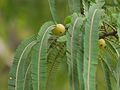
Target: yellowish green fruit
[(102, 43), (59, 30)]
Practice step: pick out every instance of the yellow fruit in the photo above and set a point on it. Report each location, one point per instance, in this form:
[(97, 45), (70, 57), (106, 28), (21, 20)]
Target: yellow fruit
[(102, 43), (59, 30)]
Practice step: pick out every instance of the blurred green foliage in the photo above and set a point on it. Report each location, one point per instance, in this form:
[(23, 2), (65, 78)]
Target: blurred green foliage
[(20, 19)]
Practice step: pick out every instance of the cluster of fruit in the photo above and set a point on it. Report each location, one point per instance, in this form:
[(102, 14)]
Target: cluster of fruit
[(60, 30)]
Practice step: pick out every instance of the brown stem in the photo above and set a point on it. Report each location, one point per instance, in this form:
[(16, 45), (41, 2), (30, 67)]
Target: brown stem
[(108, 34)]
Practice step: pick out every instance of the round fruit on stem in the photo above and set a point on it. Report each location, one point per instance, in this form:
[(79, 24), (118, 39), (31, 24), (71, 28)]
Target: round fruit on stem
[(59, 30), (102, 43)]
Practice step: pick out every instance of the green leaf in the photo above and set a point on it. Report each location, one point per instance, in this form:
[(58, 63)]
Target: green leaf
[(62, 39), (52, 5), (112, 3), (70, 66), (73, 47), (28, 78), (107, 59), (70, 3), (91, 47), (75, 6), (100, 2), (112, 50), (118, 26), (85, 6), (39, 58), (106, 75), (80, 58), (18, 72), (67, 20), (110, 56), (117, 74), (56, 55)]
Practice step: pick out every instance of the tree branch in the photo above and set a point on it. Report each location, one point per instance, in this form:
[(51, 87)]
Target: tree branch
[(109, 34)]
